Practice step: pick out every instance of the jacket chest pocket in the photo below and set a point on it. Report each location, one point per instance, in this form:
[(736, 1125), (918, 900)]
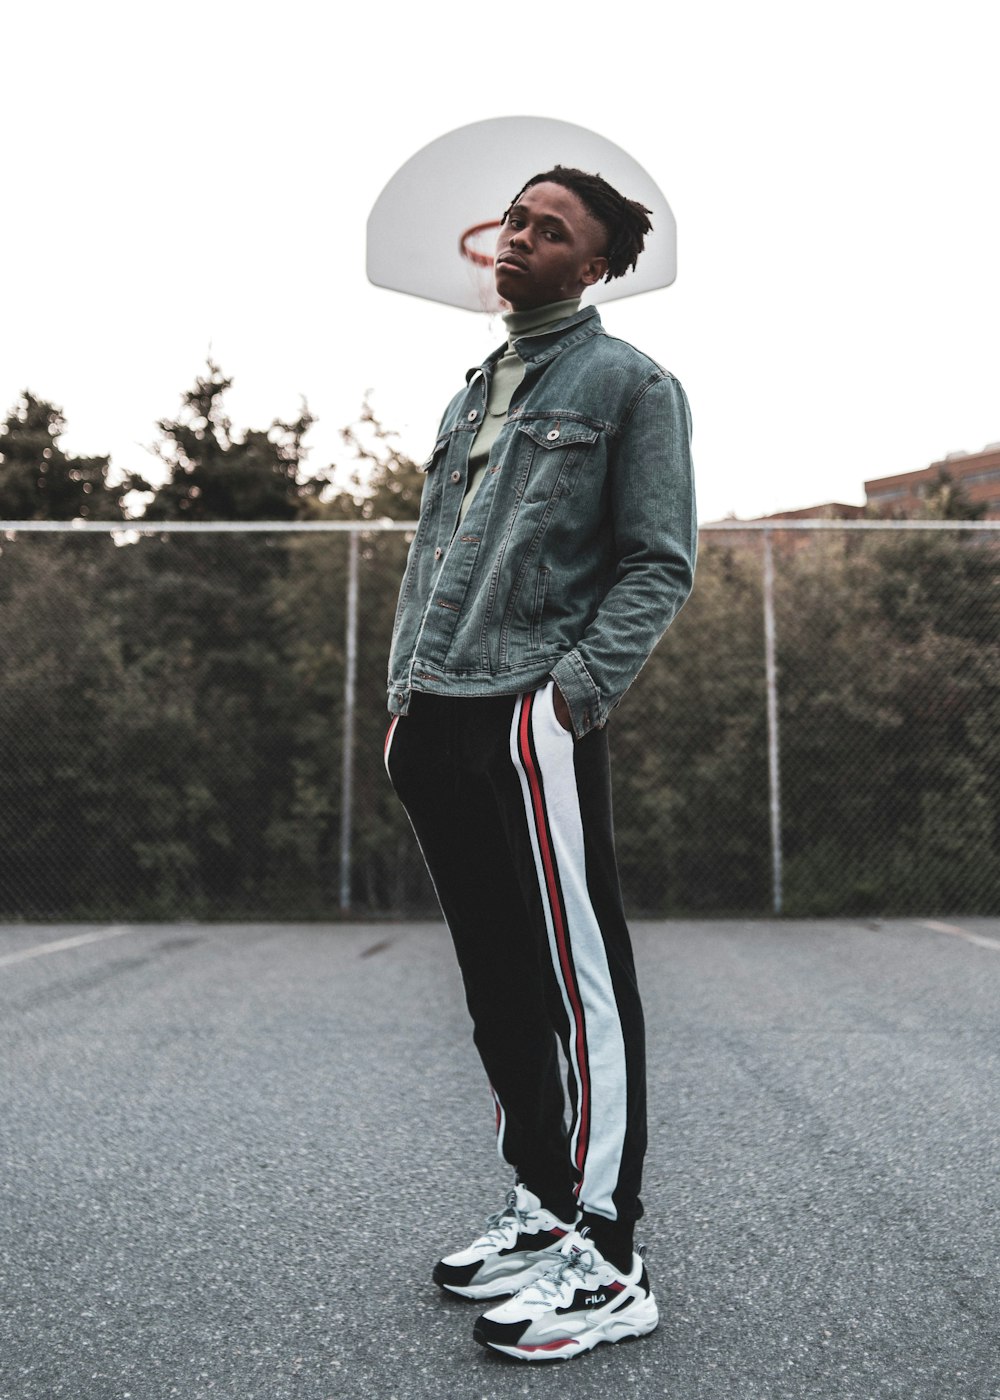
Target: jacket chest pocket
[(555, 451), (442, 472), (435, 461), (431, 490)]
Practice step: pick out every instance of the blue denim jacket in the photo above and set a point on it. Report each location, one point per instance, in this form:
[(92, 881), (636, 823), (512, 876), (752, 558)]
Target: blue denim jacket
[(578, 549)]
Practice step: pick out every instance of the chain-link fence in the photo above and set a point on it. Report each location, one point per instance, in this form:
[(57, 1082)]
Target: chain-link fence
[(191, 725)]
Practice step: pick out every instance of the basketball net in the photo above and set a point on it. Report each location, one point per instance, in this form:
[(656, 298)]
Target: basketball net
[(476, 247)]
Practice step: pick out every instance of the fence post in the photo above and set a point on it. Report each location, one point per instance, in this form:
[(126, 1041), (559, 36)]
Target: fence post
[(773, 753), (347, 754)]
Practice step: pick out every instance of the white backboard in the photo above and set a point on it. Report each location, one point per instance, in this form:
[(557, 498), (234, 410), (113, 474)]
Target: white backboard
[(466, 179)]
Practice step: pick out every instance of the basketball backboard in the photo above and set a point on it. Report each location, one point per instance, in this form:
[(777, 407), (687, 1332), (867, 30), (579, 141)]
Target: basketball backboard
[(432, 230)]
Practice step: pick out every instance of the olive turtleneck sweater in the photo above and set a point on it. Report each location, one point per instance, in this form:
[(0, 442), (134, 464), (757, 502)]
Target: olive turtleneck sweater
[(507, 375)]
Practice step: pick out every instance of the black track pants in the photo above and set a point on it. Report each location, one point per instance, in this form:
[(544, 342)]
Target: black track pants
[(513, 817)]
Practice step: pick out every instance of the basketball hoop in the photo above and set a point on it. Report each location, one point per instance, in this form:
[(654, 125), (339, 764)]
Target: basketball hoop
[(476, 246), (495, 157), (466, 244)]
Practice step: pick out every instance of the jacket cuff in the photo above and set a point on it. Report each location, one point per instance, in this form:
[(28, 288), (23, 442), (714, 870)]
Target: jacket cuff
[(580, 693)]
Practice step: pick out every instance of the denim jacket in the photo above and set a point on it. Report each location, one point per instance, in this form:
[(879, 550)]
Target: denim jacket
[(578, 549)]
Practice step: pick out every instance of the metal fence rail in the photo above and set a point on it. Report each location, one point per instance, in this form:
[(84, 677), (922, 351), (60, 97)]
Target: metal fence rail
[(191, 719)]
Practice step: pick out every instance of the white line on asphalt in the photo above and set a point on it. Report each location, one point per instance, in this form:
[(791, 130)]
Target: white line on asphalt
[(965, 933), (41, 950)]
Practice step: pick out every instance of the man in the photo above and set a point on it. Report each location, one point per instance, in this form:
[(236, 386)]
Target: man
[(555, 544)]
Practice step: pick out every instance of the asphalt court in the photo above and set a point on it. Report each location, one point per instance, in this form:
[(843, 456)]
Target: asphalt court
[(232, 1153)]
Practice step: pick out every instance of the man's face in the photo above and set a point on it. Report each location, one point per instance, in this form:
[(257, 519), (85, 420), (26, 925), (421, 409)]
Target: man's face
[(550, 248)]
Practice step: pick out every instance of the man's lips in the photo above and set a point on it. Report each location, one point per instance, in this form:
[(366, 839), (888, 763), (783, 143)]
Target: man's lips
[(511, 260)]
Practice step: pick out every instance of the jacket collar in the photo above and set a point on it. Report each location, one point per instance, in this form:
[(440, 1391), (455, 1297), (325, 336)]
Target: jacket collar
[(538, 349)]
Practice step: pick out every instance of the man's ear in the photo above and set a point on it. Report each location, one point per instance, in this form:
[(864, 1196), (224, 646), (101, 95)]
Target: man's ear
[(594, 271)]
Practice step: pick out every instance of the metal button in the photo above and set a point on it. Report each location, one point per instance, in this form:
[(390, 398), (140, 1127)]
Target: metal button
[(438, 552), (456, 476), (552, 434), (472, 415)]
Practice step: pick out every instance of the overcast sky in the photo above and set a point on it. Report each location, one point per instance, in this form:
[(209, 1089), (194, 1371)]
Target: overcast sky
[(188, 178)]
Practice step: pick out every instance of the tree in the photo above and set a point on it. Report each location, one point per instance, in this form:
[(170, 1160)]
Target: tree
[(385, 484), (689, 749), (200, 627), (947, 499), (216, 474), (39, 481), (890, 705), (387, 870)]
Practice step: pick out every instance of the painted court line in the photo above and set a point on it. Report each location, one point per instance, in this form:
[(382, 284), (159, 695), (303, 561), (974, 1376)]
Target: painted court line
[(965, 933), (42, 950)]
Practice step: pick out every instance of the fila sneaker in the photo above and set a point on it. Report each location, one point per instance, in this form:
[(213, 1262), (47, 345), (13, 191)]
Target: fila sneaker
[(580, 1301), (518, 1245)]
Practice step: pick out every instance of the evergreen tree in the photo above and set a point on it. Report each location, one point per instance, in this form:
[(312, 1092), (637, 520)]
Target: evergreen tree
[(39, 481), (217, 474)]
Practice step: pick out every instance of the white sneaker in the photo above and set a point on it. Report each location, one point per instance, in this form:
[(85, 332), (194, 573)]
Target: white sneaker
[(580, 1301), (518, 1245)]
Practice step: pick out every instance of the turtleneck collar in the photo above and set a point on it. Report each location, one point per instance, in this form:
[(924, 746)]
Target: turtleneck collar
[(539, 318)]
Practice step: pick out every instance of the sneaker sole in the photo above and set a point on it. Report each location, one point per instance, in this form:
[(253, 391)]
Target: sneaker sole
[(639, 1321), (500, 1287)]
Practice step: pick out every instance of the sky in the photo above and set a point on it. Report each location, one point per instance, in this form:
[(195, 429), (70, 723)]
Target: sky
[(188, 180)]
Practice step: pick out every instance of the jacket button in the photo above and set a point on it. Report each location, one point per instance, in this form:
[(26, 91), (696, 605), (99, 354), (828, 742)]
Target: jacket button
[(456, 476), (472, 415), (552, 434), (438, 552)]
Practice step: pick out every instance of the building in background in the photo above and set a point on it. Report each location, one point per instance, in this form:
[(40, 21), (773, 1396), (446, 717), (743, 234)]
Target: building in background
[(830, 510), (976, 474)]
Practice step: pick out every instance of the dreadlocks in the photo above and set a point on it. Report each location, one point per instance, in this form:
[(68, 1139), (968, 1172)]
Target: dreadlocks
[(625, 221)]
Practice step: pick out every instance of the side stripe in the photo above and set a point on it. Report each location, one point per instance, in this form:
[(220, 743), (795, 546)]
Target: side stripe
[(388, 742), (556, 920), (543, 755), (501, 1119)]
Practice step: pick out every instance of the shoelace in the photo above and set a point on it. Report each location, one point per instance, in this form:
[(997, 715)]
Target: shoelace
[(579, 1264), (499, 1223)]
